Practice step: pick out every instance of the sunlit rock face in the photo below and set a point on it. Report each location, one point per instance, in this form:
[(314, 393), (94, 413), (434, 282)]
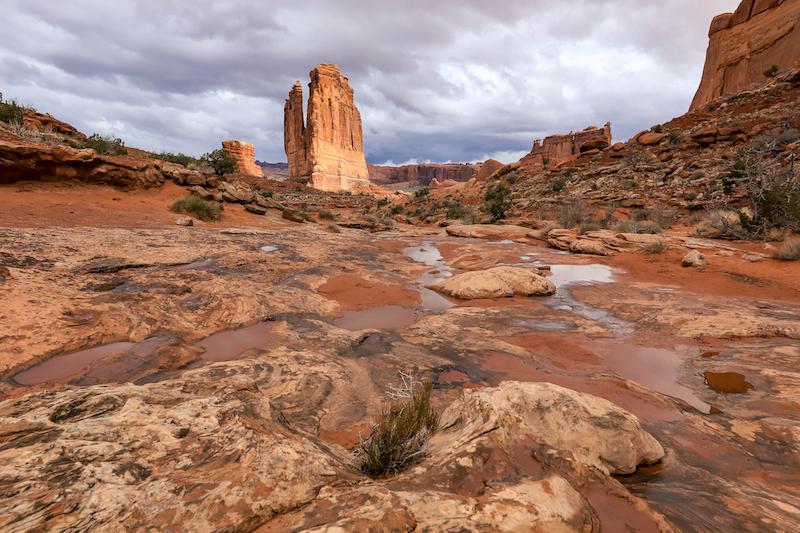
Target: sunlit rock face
[(245, 156), (744, 46), (556, 150), (327, 150)]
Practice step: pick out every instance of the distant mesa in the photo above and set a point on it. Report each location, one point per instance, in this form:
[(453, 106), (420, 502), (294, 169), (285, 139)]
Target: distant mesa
[(245, 156), (422, 174), (556, 150), (748, 47), (326, 150)]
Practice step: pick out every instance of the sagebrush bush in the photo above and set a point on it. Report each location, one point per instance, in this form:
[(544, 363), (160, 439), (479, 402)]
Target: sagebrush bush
[(220, 161), (324, 214), (790, 251), (400, 436), (179, 158), (658, 247), (570, 214), (10, 111), (202, 209), (104, 145), (497, 201)]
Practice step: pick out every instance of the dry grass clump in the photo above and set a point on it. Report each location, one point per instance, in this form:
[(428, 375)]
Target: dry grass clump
[(654, 248), (400, 437), (790, 251), (324, 214), (198, 207)]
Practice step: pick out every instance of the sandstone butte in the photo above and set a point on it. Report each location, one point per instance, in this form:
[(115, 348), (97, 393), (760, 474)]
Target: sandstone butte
[(745, 45), (556, 150), (326, 151), (245, 156)]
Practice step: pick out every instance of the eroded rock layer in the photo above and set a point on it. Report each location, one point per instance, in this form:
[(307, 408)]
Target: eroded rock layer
[(422, 174), (327, 151), (556, 150), (245, 156), (759, 40)]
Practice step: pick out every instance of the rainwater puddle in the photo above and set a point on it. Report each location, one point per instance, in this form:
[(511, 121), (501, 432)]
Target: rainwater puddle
[(654, 368), (386, 317), (269, 248), (565, 276), (542, 325), (66, 365), (229, 345), (429, 255), (727, 382), (200, 264)]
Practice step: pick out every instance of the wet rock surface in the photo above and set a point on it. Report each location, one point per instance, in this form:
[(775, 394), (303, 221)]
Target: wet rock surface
[(247, 392)]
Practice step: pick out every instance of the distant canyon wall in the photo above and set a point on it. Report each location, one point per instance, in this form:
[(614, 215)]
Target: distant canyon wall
[(422, 174), (745, 45), (557, 150)]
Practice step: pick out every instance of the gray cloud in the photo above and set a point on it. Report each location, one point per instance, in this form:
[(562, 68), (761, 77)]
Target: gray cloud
[(455, 80)]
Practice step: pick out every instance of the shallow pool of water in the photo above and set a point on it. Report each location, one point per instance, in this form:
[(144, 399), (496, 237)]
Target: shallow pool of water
[(229, 345), (269, 248), (386, 317), (727, 382)]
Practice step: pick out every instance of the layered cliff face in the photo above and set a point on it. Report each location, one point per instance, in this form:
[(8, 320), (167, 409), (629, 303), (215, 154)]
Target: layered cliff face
[(245, 156), (556, 150), (327, 150), (422, 174), (745, 47)]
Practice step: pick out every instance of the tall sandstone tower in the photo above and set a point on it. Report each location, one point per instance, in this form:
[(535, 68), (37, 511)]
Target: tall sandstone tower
[(746, 45), (326, 151)]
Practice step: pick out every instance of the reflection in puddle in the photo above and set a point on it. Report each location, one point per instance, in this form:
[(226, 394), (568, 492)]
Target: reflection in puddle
[(565, 276), (269, 248), (727, 382), (67, 365), (387, 317), (228, 345), (433, 301), (429, 255)]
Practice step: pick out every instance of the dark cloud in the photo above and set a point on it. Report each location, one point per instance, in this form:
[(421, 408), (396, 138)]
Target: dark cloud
[(454, 80)]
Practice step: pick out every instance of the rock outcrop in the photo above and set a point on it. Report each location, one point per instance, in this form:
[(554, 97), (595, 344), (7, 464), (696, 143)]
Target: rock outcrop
[(327, 150), (556, 150), (746, 48), (245, 156), (422, 174), (498, 282), (489, 167), (41, 122)]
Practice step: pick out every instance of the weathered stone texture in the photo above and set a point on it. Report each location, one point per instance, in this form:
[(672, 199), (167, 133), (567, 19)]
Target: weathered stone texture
[(556, 150), (245, 155), (327, 151), (746, 44)]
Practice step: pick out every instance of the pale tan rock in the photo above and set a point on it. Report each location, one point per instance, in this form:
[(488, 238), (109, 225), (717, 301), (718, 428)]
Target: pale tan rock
[(693, 259), (184, 221), (245, 156), (595, 431), (498, 282), (489, 231), (327, 151)]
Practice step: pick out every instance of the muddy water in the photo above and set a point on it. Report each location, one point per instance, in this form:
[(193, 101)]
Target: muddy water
[(228, 345), (430, 256), (387, 317), (65, 366), (727, 382)]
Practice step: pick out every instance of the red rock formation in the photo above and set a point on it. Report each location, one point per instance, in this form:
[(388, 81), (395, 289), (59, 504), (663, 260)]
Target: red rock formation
[(327, 151), (744, 45), (422, 174), (36, 121), (245, 156), (489, 167), (559, 149)]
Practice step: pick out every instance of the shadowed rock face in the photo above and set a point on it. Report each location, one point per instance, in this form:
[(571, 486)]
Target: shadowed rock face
[(327, 150), (245, 156), (559, 149), (746, 44)]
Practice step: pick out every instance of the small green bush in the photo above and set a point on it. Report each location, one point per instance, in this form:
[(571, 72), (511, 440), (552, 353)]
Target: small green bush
[(422, 193), (498, 201), (455, 211), (397, 209), (771, 72), (198, 207), (570, 214), (790, 251), (558, 183), (10, 111), (400, 437), (104, 145), (180, 159), (220, 161), (383, 201)]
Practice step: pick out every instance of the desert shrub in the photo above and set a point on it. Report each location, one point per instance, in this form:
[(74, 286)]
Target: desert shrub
[(558, 183), (397, 209), (105, 145), (771, 72), (383, 201), (324, 214), (422, 193), (570, 214), (400, 437), (198, 207), (658, 247), (658, 128), (641, 227), (180, 159), (636, 159), (265, 194), (498, 201), (220, 161), (455, 211), (591, 225), (10, 111), (790, 251), (674, 138)]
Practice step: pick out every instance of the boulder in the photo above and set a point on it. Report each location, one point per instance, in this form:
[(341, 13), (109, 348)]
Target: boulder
[(489, 231), (498, 282), (255, 209), (651, 138), (237, 193), (693, 259), (184, 221)]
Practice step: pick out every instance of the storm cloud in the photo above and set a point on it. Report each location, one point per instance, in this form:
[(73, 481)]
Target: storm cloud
[(452, 80)]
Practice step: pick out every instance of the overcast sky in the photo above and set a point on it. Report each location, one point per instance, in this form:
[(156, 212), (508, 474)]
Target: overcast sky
[(445, 80)]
